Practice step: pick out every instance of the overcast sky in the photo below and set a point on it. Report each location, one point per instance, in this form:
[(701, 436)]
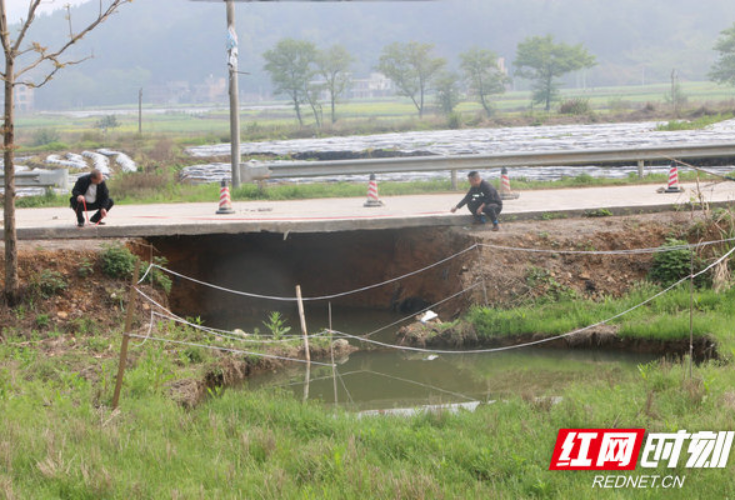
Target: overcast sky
[(19, 8)]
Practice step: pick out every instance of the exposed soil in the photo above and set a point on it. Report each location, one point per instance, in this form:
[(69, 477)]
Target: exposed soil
[(463, 335), (514, 276), (337, 262)]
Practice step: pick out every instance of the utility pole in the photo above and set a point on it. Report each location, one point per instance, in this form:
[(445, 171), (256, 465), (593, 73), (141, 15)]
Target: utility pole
[(140, 112), (234, 94)]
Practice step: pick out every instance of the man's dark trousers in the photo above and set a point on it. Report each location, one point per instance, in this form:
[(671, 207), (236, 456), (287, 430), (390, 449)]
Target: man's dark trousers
[(491, 210), (79, 209)]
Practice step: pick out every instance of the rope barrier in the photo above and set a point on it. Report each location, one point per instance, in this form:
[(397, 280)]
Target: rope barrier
[(655, 250), (214, 331), (547, 339), (226, 349), (662, 249), (322, 297), (217, 333), (150, 329)]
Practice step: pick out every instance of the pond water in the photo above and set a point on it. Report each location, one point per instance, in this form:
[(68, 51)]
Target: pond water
[(384, 379), (387, 378)]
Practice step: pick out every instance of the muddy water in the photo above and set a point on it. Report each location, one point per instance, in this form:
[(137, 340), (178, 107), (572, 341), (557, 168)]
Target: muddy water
[(393, 379), (386, 378)]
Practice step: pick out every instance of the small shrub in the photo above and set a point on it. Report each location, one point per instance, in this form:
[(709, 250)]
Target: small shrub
[(43, 321), (118, 262), (576, 106), (454, 121), (49, 283), (670, 267), (159, 278), (107, 121), (193, 355), (600, 212), (44, 136), (277, 325), (85, 269)]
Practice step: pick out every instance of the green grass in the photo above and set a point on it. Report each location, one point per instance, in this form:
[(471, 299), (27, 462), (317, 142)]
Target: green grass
[(666, 318), (58, 438), (696, 124)]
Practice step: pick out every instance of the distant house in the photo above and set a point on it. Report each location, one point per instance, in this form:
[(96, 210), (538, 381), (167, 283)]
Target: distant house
[(377, 85), (24, 98)]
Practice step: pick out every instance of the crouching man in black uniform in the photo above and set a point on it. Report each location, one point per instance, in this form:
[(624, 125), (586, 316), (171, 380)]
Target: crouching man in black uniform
[(90, 193), (483, 201)]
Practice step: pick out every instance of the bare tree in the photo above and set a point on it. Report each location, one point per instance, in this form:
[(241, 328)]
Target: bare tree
[(42, 65)]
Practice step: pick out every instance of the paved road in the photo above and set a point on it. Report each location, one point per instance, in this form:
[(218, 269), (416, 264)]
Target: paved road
[(339, 214)]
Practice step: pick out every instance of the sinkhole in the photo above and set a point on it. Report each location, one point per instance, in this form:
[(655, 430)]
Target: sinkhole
[(322, 264)]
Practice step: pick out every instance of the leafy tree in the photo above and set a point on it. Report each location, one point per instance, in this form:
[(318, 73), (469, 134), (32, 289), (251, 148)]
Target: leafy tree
[(541, 60), (107, 121), (723, 71), (447, 91), (411, 67), (333, 64), (291, 68), (39, 65), (483, 75)]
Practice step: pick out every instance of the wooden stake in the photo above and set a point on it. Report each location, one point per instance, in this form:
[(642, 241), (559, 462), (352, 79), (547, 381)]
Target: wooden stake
[(126, 337), (331, 352), (484, 285), (691, 311), (302, 317)]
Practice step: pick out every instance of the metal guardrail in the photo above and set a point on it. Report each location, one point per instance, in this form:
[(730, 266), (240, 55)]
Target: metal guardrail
[(477, 162), (41, 178)]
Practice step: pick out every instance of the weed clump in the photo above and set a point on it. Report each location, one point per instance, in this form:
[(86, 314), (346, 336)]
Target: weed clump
[(118, 262), (671, 266)]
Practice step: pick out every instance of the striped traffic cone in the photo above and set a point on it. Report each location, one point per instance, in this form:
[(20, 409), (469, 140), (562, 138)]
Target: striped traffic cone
[(372, 194), (673, 180), (225, 204), (505, 192)]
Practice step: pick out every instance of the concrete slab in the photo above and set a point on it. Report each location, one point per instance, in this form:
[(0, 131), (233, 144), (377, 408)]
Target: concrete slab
[(348, 214)]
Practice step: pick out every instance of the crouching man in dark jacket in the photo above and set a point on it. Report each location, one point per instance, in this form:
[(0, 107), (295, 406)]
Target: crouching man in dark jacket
[(483, 201), (90, 193)]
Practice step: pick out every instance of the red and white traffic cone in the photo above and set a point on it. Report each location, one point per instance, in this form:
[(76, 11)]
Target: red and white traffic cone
[(372, 194), (225, 204), (673, 180), (505, 191)]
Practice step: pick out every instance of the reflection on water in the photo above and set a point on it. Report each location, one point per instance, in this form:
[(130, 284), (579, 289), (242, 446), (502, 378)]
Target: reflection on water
[(353, 320), (387, 378), (396, 379)]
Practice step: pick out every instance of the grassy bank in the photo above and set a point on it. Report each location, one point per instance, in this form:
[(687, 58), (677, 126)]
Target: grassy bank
[(665, 318), (58, 439)]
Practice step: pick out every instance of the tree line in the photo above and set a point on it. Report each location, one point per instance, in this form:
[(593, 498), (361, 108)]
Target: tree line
[(301, 71)]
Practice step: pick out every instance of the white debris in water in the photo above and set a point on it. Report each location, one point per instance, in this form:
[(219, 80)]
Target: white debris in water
[(428, 316), (409, 412)]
